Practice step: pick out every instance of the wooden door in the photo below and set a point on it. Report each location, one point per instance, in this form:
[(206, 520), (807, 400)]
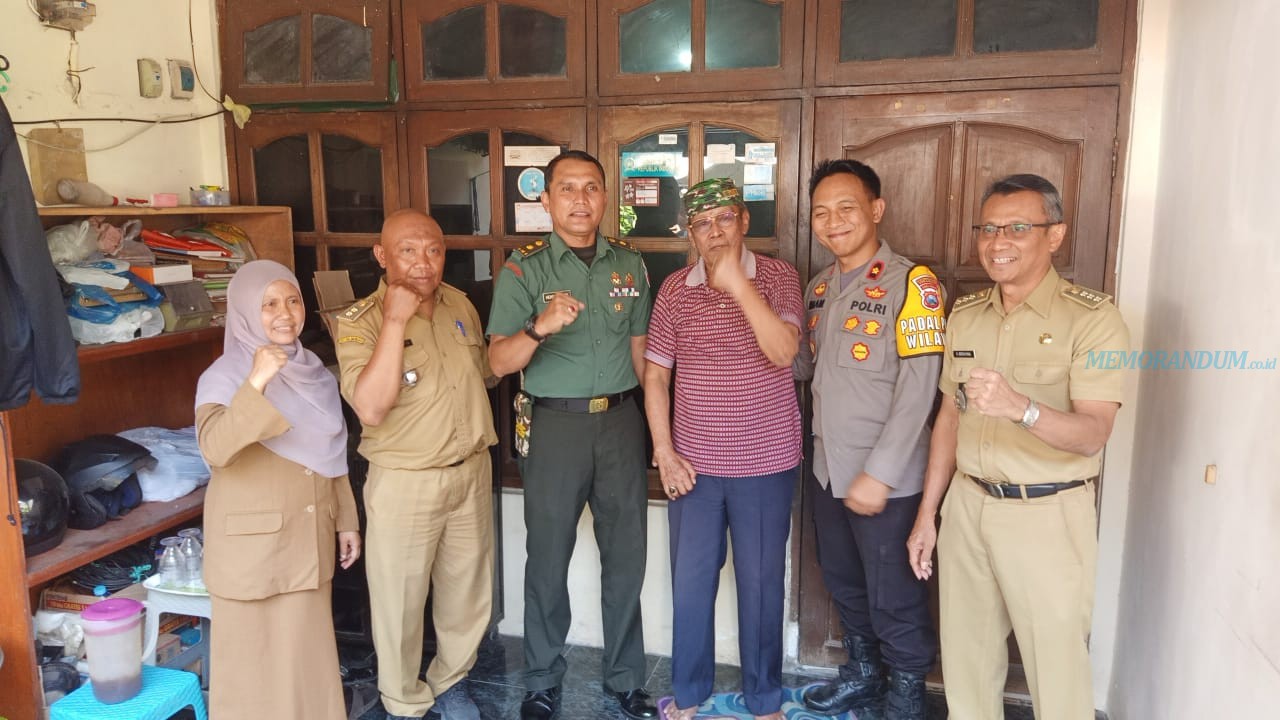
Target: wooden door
[(936, 153)]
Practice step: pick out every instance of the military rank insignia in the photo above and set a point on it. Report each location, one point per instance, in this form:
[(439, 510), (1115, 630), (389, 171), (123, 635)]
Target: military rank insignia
[(876, 269), (860, 351), (875, 293), (820, 290), (851, 323)]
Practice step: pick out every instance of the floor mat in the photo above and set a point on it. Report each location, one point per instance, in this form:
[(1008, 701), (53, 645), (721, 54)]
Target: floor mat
[(731, 705)]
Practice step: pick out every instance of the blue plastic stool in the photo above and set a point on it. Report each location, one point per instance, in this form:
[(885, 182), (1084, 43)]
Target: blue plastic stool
[(164, 692)]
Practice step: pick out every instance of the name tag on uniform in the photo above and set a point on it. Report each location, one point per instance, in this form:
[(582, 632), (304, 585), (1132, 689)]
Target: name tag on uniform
[(549, 296), (962, 353)]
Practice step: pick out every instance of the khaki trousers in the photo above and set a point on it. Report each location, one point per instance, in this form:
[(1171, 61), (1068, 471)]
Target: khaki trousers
[(428, 529), (1026, 565)]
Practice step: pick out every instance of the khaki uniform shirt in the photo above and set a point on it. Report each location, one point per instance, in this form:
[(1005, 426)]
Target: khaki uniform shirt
[(592, 355), (269, 522), (443, 413), (1042, 348), (873, 349)]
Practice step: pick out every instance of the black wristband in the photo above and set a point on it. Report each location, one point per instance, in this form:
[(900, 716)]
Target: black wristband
[(533, 333)]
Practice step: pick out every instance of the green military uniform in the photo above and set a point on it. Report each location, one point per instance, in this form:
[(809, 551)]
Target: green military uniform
[(428, 497), (1014, 562), (581, 451)]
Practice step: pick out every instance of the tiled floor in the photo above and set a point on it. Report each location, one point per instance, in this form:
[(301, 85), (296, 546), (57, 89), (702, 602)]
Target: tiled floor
[(495, 685)]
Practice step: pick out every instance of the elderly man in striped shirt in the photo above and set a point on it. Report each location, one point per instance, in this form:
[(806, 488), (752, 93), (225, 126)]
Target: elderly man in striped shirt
[(729, 327)]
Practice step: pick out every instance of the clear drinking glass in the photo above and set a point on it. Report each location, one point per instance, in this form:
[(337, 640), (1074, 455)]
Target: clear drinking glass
[(173, 569), (192, 558)]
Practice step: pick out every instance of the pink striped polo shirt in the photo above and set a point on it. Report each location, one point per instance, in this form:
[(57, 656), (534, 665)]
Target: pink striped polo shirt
[(735, 413)]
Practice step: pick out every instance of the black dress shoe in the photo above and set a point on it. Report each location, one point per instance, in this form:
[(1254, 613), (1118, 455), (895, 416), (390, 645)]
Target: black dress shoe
[(540, 704), (636, 704)]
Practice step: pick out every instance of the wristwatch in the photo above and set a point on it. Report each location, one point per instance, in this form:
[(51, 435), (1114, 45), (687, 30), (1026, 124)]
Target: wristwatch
[(1030, 415), (531, 331)]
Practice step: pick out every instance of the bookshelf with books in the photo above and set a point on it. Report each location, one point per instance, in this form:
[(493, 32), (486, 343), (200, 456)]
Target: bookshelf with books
[(145, 382)]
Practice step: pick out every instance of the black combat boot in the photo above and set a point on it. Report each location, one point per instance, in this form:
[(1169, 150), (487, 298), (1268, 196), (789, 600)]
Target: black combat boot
[(860, 687), (906, 696)]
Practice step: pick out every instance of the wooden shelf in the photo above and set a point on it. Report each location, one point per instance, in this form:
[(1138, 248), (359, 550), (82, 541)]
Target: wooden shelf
[(90, 354), (145, 211), (81, 547)]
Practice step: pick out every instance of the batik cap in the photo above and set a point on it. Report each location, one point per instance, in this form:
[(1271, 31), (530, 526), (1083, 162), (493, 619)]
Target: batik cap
[(708, 194)]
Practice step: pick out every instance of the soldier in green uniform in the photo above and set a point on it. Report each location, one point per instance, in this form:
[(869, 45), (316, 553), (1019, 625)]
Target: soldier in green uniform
[(571, 310), (1020, 448), (414, 369)]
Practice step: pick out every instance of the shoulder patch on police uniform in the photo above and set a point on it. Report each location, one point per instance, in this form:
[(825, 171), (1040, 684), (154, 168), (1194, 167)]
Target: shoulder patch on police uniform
[(355, 311), (1086, 297), (532, 248), (619, 243), (921, 324), (965, 301)]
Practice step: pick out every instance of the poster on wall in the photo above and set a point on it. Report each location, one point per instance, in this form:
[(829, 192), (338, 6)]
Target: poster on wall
[(529, 155), (531, 217), (640, 192), (760, 153), (531, 183), (650, 164), (721, 154), (757, 175)]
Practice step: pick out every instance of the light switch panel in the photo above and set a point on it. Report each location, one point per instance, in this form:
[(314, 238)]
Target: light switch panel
[(150, 79)]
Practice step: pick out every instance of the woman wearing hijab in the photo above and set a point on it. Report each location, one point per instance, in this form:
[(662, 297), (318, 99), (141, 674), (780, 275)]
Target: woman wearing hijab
[(270, 426)]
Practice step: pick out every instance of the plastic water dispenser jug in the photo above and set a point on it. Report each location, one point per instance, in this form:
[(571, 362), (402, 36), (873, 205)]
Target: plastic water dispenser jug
[(113, 641)]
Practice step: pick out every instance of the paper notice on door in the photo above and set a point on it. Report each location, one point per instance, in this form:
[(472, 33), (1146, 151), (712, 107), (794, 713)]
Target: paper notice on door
[(529, 155), (532, 217), (757, 193), (640, 192), (721, 154), (668, 139), (757, 175), (760, 153)]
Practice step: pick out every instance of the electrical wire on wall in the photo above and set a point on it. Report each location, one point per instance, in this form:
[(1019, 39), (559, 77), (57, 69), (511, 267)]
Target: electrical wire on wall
[(239, 112)]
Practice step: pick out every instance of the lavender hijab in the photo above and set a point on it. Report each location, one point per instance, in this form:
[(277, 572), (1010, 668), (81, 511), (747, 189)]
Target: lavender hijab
[(304, 391)]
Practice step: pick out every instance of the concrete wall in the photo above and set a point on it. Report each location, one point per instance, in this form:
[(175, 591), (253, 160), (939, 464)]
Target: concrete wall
[(1198, 628), (165, 158)]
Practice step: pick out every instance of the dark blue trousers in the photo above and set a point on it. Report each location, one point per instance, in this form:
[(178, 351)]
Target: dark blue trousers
[(864, 564), (757, 513)]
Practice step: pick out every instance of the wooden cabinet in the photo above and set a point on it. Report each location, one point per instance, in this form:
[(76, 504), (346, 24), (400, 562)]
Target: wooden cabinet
[(294, 51), (491, 50), (144, 382)]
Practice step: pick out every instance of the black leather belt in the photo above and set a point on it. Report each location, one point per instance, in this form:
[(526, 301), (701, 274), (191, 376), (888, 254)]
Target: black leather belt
[(1013, 491), (585, 405)]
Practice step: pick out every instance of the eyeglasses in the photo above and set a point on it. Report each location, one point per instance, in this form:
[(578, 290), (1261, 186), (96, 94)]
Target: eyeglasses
[(725, 220), (1012, 230)]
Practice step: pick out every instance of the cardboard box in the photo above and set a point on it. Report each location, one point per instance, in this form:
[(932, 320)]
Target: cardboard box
[(167, 646), (63, 596), (172, 622), (333, 295)]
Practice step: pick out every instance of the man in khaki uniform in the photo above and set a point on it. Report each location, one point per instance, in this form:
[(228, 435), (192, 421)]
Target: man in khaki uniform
[(1020, 447), (414, 369)]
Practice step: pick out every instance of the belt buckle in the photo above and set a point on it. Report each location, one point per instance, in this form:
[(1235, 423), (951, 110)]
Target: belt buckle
[(598, 404), (999, 488)]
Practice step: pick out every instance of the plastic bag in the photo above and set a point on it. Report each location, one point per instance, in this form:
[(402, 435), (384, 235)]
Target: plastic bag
[(71, 243), (179, 469), (131, 324)]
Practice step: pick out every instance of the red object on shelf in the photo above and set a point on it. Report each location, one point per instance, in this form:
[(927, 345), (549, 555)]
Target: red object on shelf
[(157, 240)]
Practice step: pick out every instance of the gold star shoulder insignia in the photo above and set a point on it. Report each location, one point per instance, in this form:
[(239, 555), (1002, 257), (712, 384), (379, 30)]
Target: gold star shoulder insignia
[(355, 311), (532, 248), (620, 243), (971, 299), (1091, 299)]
